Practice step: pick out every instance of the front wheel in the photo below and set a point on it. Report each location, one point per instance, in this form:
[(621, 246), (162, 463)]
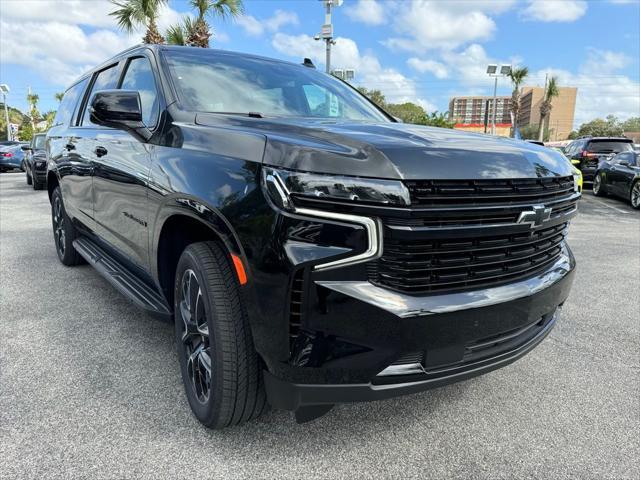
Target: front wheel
[(598, 185), (220, 368), (37, 184), (635, 195)]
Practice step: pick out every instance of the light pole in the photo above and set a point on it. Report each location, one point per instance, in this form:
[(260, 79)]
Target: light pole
[(326, 33), (4, 88), (492, 71)]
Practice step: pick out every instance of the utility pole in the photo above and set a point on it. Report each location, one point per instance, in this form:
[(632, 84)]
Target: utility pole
[(493, 71), (495, 106), (4, 88), (326, 32)]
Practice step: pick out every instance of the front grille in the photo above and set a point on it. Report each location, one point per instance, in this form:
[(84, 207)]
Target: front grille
[(448, 264), (486, 192)]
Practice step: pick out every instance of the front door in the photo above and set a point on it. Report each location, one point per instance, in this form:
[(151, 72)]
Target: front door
[(122, 164)]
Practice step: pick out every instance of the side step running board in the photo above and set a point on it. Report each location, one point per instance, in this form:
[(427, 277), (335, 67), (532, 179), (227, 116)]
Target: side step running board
[(122, 279)]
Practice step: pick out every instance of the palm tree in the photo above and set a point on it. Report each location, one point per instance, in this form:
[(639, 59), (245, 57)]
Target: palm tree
[(32, 100), (550, 93), (59, 96), (178, 34), (132, 13), (517, 76), (200, 33)]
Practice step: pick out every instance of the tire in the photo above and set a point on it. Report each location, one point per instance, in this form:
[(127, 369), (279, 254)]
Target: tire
[(64, 233), (634, 196), (599, 189), (37, 185), (29, 180), (231, 391)]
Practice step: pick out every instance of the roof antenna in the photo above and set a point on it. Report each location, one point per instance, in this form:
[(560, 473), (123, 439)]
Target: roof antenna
[(308, 63)]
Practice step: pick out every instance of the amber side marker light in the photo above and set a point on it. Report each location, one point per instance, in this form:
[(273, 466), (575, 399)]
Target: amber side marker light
[(237, 263)]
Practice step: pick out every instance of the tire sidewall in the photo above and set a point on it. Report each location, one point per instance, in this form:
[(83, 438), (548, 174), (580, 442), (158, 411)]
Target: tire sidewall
[(633, 185), (203, 411)]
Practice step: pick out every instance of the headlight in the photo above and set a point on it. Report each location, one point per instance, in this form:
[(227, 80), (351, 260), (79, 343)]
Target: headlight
[(285, 185)]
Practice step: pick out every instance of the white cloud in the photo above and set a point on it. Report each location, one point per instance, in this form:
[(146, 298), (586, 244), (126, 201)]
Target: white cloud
[(604, 61), (369, 12), (256, 27), (61, 11), (345, 54), (424, 25), (58, 51), (555, 10), (439, 70)]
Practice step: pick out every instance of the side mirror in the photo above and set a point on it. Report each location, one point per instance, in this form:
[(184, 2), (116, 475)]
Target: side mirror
[(119, 109), (25, 148)]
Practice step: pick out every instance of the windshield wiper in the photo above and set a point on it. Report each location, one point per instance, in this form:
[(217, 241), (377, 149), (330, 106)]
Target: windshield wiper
[(243, 114)]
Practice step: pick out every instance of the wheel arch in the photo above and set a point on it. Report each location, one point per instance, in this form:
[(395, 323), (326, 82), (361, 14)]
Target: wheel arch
[(52, 183), (186, 221)]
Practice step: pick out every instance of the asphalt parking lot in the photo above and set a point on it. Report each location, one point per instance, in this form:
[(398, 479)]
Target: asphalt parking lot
[(90, 386)]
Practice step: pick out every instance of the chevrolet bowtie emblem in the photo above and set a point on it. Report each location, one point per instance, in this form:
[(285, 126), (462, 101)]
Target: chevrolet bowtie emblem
[(535, 217)]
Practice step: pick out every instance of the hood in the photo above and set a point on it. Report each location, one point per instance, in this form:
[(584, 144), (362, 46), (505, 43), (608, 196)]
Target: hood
[(396, 150)]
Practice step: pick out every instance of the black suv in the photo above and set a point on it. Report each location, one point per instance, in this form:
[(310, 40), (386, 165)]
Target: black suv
[(35, 161), (309, 249), (587, 153)]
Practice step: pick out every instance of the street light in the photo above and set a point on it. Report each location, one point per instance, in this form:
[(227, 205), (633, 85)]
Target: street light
[(4, 88), (492, 71)]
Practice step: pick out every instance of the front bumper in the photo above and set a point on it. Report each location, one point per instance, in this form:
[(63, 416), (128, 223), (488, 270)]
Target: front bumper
[(446, 328)]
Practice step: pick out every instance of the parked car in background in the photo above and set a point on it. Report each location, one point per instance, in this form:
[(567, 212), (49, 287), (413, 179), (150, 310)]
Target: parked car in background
[(35, 161), (587, 153), (11, 156), (309, 249), (620, 176)]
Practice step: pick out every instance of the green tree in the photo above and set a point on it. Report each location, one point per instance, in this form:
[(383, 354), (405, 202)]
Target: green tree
[(573, 135), (199, 35), (439, 119), (15, 116), (58, 96), (133, 13), (546, 106), (532, 132), (609, 127), (376, 96), (631, 125), (408, 112), (517, 76)]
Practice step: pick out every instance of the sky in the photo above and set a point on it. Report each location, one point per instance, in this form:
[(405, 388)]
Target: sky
[(412, 50)]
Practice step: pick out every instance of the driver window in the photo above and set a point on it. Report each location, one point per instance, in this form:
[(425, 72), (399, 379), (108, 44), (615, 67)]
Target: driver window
[(139, 76)]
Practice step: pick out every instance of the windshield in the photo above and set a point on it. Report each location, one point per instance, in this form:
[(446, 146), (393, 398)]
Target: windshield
[(609, 146), (211, 81), (38, 142)]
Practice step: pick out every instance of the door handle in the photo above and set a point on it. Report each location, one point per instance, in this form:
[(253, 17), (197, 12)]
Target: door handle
[(100, 151), (70, 146)]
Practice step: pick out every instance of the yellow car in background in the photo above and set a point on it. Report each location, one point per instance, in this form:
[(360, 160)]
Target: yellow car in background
[(579, 174)]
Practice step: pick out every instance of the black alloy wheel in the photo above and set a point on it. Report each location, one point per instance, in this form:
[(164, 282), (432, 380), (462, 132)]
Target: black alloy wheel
[(59, 233), (598, 187), (221, 371), (635, 195), (64, 233), (195, 335)]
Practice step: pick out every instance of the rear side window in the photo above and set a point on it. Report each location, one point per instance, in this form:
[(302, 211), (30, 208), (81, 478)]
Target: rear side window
[(139, 76), (69, 103), (609, 146), (107, 79)]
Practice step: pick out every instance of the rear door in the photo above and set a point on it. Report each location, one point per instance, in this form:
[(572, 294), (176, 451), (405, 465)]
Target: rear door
[(122, 164), (73, 171)]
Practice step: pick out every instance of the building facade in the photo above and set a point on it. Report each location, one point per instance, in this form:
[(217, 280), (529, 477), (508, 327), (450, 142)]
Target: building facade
[(473, 111), (562, 113)]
